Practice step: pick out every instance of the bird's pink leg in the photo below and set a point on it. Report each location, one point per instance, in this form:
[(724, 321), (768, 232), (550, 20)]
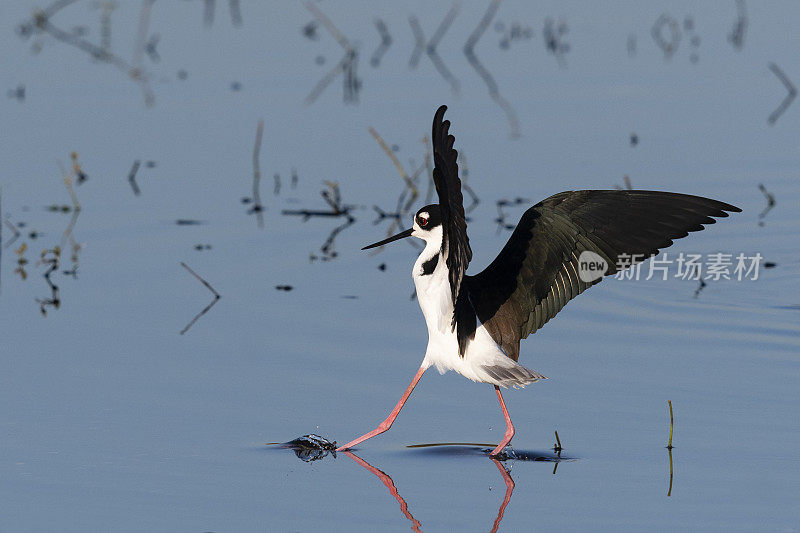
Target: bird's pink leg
[(386, 424), (509, 426)]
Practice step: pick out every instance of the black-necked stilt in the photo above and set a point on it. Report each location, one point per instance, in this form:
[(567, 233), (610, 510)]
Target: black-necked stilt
[(475, 323)]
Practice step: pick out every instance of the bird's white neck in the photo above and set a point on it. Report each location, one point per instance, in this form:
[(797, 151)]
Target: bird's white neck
[(432, 284)]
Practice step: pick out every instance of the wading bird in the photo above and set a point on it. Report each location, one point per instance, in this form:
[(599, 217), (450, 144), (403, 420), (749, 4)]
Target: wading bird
[(475, 322)]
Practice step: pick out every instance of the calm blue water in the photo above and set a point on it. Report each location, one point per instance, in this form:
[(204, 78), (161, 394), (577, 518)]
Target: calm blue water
[(113, 421)]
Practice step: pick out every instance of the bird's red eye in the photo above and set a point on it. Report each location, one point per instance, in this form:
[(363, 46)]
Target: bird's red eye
[(423, 221)]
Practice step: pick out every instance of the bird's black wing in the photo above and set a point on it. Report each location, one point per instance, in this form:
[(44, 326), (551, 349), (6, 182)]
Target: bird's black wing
[(455, 243), (536, 273)]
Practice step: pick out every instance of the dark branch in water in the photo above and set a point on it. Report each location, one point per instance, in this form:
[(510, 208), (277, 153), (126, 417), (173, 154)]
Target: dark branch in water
[(502, 215), (494, 91), (50, 258), (787, 101), (700, 288), (333, 198), (208, 307)]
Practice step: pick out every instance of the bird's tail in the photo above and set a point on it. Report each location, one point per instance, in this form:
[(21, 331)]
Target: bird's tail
[(511, 375)]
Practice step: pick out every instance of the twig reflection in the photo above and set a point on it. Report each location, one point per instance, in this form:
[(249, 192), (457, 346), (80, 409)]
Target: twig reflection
[(494, 91), (346, 66), (770, 203), (40, 23), (333, 198), (208, 307), (430, 47), (788, 99)]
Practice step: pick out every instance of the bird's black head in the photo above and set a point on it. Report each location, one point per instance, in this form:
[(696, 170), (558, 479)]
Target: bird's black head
[(428, 218), (427, 226)]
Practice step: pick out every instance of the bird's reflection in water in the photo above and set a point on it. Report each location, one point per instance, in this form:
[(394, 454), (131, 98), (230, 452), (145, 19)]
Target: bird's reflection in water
[(387, 481), (415, 524), (312, 447)]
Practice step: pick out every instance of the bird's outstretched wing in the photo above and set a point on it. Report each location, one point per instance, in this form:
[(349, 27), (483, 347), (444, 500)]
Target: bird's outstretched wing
[(455, 243), (537, 272)]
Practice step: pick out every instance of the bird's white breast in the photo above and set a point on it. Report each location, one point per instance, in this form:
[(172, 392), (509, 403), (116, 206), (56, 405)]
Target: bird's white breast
[(435, 300)]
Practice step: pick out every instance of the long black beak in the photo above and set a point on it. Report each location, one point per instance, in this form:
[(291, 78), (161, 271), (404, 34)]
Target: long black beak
[(401, 235)]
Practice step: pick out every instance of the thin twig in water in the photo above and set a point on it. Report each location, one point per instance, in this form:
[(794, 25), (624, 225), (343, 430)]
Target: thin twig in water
[(736, 36), (494, 91), (557, 448), (671, 423), (208, 12), (792, 93), (236, 13), (208, 307), (395, 161), (430, 47), (347, 65), (257, 207), (386, 42), (1, 238), (14, 229), (41, 23), (627, 181), (669, 491), (132, 177), (419, 42), (770, 203)]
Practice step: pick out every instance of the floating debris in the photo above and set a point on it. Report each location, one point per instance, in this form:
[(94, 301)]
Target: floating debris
[(286, 288), (311, 447)]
